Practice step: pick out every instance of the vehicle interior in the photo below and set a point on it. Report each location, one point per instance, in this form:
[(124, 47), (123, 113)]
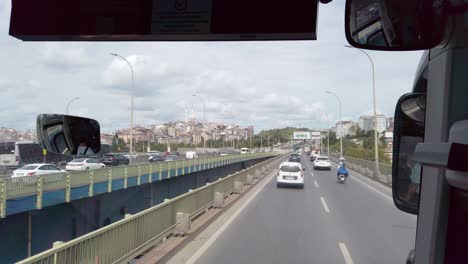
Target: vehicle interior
[(429, 175)]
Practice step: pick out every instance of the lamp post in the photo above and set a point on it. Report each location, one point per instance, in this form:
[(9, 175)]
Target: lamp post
[(131, 103), (204, 120), (74, 99), (341, 124), (376, 136)]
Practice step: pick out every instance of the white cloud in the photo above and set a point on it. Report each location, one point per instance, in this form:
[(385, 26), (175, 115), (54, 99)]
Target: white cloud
[(266, 84), (65, 55)]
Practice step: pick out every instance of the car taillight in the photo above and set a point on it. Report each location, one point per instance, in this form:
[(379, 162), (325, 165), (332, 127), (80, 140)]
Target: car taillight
[(31, 173), (16, 158), (302, 174), (277, 174)]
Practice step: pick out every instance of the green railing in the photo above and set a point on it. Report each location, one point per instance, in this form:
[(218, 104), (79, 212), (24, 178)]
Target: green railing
[(11, 188), (367, 168), (121, 241)]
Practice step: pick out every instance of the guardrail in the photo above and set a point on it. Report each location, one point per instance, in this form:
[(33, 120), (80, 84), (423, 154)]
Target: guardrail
[(367, 168), (11, 188), (122, 241)]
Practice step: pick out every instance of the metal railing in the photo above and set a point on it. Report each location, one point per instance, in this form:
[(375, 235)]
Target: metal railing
[(367, 168), (122, 241), (11, 188)]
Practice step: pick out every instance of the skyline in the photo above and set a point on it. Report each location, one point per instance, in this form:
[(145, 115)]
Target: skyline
[(265, 84)]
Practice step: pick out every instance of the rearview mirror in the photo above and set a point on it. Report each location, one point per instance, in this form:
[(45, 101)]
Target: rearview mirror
[(394, 25), (408, 132), (163, 20), (68, 135)]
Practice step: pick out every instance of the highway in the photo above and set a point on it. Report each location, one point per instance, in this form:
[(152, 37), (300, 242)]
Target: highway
[(326, 222)]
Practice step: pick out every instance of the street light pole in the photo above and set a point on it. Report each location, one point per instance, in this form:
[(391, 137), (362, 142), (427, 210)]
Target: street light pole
[(131, 103), (204, 120), (376, 136), (74, 99), (341, 124)]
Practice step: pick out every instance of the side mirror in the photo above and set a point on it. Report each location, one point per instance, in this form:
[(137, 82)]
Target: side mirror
[(68, 135), (408, 132), (394, 25)]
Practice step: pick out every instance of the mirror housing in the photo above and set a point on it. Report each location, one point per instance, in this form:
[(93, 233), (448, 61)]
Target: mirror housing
[(68, 135), (394, 25), (409, 127)]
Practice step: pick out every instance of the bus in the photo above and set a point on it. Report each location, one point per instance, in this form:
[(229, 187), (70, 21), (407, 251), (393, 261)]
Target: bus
[(7, 153), (27, 152)]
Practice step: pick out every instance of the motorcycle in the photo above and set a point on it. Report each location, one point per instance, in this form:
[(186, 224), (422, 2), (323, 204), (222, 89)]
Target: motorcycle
[(342, 178)]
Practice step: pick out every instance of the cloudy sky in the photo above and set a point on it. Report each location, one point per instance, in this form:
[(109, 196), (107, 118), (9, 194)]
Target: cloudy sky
[(265, 84)]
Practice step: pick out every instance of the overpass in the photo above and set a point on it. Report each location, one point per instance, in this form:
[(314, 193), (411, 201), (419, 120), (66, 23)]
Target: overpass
[(39, 210)]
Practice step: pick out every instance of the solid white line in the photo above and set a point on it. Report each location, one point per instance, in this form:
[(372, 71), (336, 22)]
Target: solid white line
[(218, 232), (374, 189), (345, 253), (325, 206), (316, 184)]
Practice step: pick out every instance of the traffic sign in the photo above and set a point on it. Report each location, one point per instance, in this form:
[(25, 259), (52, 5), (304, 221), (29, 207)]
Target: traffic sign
[(301, 135)]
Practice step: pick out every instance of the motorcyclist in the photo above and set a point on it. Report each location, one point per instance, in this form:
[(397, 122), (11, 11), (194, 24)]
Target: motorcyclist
[(342, 170)]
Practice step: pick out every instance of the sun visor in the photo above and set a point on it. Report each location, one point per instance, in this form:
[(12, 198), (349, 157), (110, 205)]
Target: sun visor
[(163, 20)]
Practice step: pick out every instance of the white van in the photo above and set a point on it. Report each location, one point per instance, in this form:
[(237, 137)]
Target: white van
[(245, 150), (191, 155)]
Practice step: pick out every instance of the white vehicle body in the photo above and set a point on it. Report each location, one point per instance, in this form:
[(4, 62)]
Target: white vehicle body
[(191, 155), (36, 169), (245, 150), (84, 164), (322, 163), (290, 173)]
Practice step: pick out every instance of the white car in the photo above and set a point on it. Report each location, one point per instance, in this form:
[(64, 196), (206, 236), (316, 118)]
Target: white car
[(322, 163), (290, 173), (36, 169), (84, 164)]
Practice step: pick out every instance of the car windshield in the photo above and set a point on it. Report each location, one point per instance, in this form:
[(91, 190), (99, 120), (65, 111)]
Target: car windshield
[(290, 168), (78, 160), (29, 167), (201, 105)]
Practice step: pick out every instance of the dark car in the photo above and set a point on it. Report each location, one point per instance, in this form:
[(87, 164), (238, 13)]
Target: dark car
[(156, 158), (294, 158), (115, 160), (173, 157)]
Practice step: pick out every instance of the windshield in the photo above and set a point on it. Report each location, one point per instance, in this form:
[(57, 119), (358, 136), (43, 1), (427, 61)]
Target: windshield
[(289, 168), (29, 167), (211, 102), (78, 160)]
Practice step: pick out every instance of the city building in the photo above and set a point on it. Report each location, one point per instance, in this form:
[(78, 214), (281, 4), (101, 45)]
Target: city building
[(366, 123), (390, 122), (345, 129)]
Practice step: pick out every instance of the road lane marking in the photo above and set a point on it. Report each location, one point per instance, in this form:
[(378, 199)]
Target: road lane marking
[(316, 184), (325, 206), (345, 253), (311, 173), (218, 232), (374, 189)]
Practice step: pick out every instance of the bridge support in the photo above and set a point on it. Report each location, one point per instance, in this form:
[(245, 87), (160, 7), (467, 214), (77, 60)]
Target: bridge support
[(183, 223), (218, 200), (238, 186)]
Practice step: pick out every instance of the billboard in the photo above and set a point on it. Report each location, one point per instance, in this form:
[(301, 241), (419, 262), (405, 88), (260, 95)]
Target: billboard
[(301, 135), (315, 135)]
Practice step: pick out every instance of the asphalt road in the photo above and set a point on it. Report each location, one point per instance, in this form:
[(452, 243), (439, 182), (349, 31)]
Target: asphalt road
[(326, 222)]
